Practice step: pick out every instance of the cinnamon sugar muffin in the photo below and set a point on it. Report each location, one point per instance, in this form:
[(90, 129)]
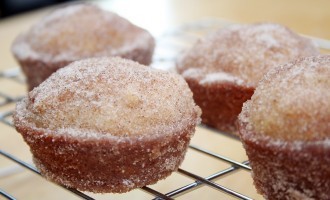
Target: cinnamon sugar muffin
[(285, 129), (224, 68), (108, 124), (76, 32)]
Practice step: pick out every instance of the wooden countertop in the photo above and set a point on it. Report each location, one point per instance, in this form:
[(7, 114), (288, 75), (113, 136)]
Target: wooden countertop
[(303, 16)]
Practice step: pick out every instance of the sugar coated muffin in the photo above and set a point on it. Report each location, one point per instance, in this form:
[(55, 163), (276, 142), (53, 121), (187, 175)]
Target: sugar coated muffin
[(108, 124), (285, 129), (224, 68), (76, 32)]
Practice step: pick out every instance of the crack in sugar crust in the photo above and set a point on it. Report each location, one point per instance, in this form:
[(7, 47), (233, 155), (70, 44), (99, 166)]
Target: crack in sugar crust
[(245, 51), (110, 96), (292, 102), (79, 31)]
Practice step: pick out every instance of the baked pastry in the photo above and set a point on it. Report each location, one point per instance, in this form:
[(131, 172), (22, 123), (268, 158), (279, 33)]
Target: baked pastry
[(285, 129), (108, 124), (224, 68), (76, 32)]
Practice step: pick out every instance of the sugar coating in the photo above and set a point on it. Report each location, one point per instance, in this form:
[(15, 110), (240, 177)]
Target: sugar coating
[(245, 51), (285, 131), (292, 102), (110, 96), (285, 170), (80, 31), (108, 165), (108, 124)]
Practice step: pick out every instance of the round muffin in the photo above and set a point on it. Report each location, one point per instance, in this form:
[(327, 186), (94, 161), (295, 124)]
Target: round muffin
[(224, 68), (285, 129), (76, 32), (108, 124)]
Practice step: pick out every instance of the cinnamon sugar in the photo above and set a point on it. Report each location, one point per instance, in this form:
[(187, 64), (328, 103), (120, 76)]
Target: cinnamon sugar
[(292, 102), (246, 51), (108, 124), (109, 96)]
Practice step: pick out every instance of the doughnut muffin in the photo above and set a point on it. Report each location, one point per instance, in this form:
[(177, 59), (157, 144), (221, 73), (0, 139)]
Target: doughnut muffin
[(108, 124), (285, 129), (76, 32), (224, 68)]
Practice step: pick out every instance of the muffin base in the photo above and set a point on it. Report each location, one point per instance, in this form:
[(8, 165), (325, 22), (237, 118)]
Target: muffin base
[(288, 170), (36, 71), (115, 165), (220, 103)]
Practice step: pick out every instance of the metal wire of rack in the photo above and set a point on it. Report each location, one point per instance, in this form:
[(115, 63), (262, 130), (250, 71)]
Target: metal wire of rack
[(169, 45)]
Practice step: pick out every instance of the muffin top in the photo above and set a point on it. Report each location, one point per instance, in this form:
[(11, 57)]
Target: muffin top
[(80, 31), (109, 96), (292, 102), (242, 53)]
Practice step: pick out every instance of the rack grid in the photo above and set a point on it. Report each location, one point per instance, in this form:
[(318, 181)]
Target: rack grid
[(169, 45)]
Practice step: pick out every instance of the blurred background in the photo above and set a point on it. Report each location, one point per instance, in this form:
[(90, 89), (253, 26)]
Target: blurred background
[(304, 16), (12, 7)]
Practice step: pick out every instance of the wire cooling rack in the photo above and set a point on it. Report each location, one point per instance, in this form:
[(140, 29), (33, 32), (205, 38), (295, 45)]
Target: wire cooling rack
[(208, 166)]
